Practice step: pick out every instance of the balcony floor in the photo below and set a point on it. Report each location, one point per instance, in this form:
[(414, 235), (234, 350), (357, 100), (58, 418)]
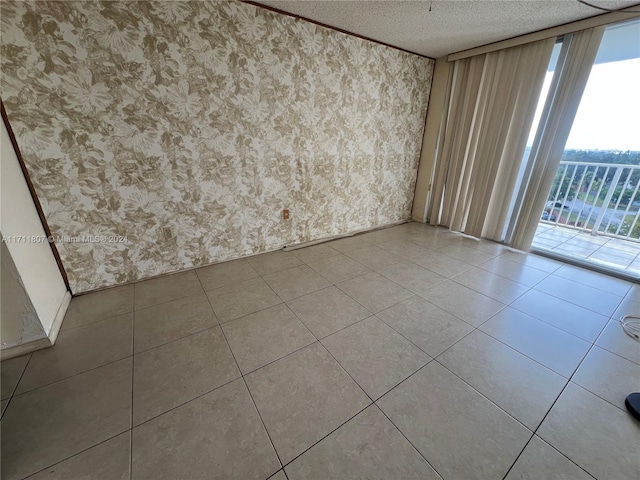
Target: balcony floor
[(608, 252)]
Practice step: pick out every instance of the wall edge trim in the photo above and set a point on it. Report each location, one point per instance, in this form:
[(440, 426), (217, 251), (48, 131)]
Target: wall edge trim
[(60, 314), (34, 196), (274, 249), (337, 29), (288, 248), (24, 348)]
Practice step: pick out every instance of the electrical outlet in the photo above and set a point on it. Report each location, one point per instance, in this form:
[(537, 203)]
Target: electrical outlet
[(285, 214)]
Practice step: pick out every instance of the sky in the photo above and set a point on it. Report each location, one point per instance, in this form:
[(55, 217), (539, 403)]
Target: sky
[(609, 114)]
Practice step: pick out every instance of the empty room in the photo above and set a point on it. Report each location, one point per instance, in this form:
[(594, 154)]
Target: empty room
[(320, 239)]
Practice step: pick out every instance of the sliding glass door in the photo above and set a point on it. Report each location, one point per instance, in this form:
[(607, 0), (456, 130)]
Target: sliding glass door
[(591, 213)]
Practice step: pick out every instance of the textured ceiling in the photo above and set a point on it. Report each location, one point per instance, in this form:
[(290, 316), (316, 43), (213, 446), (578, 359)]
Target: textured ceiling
[(451, 25)]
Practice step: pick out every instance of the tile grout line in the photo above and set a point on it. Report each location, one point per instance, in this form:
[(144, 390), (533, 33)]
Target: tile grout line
[(594, 346), (345, 371), (511, 279), (346, 326), (462, 319), (133, 369), (575, 304), (270, 287), (405, 437), (199, 395), (304, 294), (375, 314), (373, 401), (74, 375), (70, 329), (488, 296), (533, 255), (541, 321), (431, 358), (444, 278), (264, 426), (218, 324), (558, 328), (118, 360), (569, 381), (436, 359), (499, 407), (533, 287), (601, 398), (57, 462), (549, 411), (609, 256), (13, 392), (397, 428), (366, 308), (379, 274), (407, 339), (587, 308), (521, 353), (339, 364), (614, 353), (585, 257), (345, 280), (579, 282), (244, 381), (242, 376), (325, 436), (184, 336), (283, 302)]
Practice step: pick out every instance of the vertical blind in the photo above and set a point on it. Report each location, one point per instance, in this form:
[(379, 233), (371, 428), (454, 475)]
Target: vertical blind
[(570, 78), (491, 104)]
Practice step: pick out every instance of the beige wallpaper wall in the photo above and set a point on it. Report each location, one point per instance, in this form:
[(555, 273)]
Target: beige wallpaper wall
[(187, 127)]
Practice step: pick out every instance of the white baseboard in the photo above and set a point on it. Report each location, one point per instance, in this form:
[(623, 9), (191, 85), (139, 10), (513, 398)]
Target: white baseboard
[(288, 248), (41, 343), (57, 321), (271, 248), (23, 348)]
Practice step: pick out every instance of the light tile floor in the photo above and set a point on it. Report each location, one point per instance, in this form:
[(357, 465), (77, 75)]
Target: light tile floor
[(603, 251), (405, 353)]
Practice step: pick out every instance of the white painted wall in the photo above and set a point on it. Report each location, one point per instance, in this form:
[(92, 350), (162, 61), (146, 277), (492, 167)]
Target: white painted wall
[(19, 322), (34, 262)]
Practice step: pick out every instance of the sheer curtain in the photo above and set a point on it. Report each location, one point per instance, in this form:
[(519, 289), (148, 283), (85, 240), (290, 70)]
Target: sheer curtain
[(491, 104), (570, 78)]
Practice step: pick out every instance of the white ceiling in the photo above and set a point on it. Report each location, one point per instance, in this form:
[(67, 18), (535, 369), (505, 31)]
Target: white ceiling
[(451, 25)]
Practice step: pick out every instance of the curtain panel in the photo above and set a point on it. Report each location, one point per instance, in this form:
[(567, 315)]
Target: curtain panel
[(570, 78), (491, 105)]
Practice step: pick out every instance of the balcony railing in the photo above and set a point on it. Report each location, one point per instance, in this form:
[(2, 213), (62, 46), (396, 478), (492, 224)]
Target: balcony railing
[(600, 198)]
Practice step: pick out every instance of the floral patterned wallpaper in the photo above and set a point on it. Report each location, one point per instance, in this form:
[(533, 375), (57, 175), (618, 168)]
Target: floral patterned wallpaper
[(187, 127)]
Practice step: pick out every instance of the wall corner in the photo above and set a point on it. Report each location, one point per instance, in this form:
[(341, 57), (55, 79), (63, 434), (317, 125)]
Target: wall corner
[(435, 114)]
